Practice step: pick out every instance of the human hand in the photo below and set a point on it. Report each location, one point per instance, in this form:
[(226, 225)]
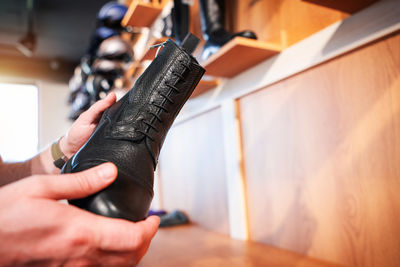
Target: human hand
[(38, 230), (84, 126)]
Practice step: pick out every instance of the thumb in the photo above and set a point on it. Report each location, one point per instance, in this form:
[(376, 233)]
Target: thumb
[(93, 114), (74, 185)]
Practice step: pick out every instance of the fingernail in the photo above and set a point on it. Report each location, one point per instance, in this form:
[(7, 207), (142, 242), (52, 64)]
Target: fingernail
[(107, 171)]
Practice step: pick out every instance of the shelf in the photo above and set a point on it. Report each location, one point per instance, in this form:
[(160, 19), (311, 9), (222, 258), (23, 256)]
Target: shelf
[(131, 70), (150, 54), (141, 14), (193, 246), (238, 55), (204, 86), (129, 74), (349, 7)]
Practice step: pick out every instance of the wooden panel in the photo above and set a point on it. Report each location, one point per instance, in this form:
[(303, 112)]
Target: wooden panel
[(322, 153), (286, 22), (141, 14), (193, 246), (343, 5), (369, 25), (238, 55), (192, 171), (195, 20), (204, 86)]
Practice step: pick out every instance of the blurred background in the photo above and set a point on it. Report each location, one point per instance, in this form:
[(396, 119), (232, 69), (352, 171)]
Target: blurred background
[(41, 44), (61, 31), (292, 142)]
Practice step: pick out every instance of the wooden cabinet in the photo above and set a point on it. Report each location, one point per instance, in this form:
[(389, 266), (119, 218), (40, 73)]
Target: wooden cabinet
[(321, 151)]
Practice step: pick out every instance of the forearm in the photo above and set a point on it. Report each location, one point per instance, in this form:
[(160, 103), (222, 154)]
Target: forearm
[(40, 164), (10, 172), (43, 163)]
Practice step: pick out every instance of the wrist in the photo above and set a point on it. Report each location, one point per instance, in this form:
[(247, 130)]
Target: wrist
[(58, 154), (65, 148)]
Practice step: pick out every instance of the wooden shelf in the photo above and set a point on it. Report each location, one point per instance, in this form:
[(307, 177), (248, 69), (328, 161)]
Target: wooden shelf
[(150, 54), (349, 7), (193, 246), (239, 55), (141, 14), (131, 70), (129, 74), (204, 86)]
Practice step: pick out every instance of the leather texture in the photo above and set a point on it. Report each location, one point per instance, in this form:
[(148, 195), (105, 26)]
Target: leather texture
[(212, 18), (132, 131)]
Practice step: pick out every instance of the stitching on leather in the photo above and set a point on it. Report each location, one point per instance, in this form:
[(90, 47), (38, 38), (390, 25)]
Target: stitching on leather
[(142, 109), (200, 71), (114, 130), (144, 106), (169, 93), (153, 119)]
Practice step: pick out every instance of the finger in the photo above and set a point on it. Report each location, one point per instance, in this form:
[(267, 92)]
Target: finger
[(93, 114), (150, 225), (74, 185), (122, 235)]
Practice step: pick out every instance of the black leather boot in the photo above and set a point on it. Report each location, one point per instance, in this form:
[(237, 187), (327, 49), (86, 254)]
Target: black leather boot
[(181, 20), (131, 132), (212, 20)]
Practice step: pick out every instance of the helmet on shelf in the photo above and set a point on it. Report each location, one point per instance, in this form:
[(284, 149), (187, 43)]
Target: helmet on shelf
[(108, 68), (76, 80), (111, 14), (99, 35), (115, 48)]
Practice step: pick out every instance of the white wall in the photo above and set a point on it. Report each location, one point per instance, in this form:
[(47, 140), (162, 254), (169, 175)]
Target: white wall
[(53, 107), (53, 111)]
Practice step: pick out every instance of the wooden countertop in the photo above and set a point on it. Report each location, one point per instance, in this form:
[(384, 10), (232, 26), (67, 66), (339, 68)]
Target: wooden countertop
[(193, 246)]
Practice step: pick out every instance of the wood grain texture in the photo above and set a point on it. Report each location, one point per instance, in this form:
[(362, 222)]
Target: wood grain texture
[(322, 153), (194, 247), (369, 25), (286, 22), (238, 55), (349, 7), (192, 176)]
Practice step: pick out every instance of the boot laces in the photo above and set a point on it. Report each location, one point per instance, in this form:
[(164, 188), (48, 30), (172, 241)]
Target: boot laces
[(168, 97), (158, 46)]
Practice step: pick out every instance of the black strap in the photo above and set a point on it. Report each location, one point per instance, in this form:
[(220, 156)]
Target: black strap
[(190, 43)]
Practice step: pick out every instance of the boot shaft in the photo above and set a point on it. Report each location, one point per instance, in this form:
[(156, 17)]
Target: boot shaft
[(212, 16), (150, 107)]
